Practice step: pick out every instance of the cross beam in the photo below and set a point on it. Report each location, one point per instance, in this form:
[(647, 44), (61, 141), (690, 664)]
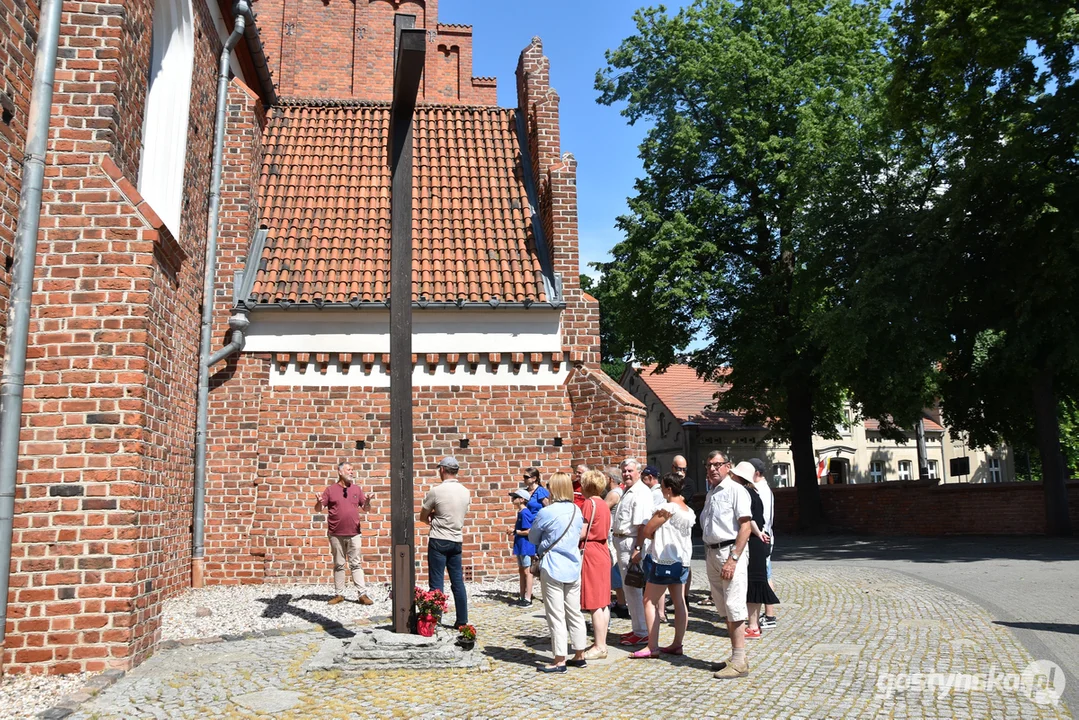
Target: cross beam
[(408, 67)]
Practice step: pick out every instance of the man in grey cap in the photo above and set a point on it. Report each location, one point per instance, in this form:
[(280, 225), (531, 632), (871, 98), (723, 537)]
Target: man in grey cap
[(444, 510)]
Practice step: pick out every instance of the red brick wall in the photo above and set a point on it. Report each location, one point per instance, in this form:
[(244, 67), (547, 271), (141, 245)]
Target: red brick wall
[(608, 422), (239, 215), (345, 50), (103, 503), (277, 447), (18, 30), (908, 509)]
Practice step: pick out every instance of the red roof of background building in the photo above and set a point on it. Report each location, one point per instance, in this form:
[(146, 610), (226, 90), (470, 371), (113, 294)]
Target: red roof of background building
[(688, 397), (930, 425), (325, 199)]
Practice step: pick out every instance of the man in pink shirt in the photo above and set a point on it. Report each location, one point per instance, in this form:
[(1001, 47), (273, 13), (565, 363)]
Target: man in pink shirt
[(342, 502)]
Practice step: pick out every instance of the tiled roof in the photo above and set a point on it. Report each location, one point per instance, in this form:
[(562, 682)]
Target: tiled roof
[(688, 397), (325, 199), (930, 425)]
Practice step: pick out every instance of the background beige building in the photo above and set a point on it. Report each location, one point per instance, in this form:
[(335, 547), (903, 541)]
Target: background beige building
[(681, 422)]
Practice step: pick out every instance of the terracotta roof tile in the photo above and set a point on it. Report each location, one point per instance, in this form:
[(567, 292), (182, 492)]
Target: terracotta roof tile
[(930, 425), (689, 397), (325, 198)]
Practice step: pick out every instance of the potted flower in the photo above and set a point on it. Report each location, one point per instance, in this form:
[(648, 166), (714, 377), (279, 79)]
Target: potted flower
[(430, 604), (466, 637)]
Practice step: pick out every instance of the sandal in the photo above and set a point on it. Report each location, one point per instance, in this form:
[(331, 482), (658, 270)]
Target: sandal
[(671, 650), (644, 654)]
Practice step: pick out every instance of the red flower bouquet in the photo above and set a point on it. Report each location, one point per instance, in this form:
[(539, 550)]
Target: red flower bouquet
[(430, 604)]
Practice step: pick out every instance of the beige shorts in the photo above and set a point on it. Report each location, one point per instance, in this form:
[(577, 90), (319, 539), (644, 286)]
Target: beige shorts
[(728, 594)]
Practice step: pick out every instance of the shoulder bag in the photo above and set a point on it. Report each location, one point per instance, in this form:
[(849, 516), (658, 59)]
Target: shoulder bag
[(584, 539), (535, 568)]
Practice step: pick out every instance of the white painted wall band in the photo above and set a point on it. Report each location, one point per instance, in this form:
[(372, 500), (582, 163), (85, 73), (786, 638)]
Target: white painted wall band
[(441, 370)]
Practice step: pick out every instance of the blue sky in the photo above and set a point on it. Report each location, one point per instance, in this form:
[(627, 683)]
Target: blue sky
[(575, 36)]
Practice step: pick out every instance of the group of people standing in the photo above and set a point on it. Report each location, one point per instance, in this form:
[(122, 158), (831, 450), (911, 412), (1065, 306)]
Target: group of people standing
[(576, 530), (586, 535)]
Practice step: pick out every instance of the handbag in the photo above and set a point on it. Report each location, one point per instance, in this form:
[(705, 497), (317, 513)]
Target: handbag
[(535, 567), (634, 576), (668, 572)]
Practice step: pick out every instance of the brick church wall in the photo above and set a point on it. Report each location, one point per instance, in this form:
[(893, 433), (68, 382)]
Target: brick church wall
[(103, 500), (608, 422), (18, 41), (280, 446), (902, 508)]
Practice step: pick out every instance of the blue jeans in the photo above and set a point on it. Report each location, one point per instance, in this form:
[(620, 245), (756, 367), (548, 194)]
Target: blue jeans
[(443, 555)]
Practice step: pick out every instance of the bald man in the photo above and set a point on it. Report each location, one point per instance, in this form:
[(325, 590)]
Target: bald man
[(678, 467)]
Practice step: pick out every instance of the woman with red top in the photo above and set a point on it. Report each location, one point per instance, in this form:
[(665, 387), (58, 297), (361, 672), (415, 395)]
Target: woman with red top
[(596, 567)]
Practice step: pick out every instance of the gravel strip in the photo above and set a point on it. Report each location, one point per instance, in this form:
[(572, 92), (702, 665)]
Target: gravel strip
[(22, 697), (237, 609)]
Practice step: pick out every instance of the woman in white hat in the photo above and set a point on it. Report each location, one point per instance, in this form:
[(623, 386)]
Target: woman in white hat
[(758, 591)]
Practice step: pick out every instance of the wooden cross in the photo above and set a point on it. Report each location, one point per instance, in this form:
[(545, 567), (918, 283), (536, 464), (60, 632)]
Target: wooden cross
[(408, 67)]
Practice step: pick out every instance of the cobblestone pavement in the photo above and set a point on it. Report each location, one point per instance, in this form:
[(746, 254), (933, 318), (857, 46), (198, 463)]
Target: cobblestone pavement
[(996, 573), (845, 635)]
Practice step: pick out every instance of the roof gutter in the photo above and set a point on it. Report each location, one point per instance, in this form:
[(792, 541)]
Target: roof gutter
[(22, 286), (238, 322), (258, 56), (416, 305)]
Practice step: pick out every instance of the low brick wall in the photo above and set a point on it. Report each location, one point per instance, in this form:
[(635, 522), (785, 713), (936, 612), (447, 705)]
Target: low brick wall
[(903, 508)]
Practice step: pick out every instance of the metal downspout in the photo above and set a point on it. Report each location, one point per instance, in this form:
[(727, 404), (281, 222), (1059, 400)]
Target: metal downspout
[(22, 287), (241, 10)]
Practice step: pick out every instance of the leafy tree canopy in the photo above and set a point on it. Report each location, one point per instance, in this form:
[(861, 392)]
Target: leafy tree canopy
[(760, 113), (987, 95)]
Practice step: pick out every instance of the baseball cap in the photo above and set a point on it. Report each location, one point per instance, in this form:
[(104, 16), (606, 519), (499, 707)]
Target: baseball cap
[(449, 463), (521, 493), (650, 470), (744, 470), (758, 465)]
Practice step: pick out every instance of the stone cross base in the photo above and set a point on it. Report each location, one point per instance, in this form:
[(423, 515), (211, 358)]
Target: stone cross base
[(379, 649)]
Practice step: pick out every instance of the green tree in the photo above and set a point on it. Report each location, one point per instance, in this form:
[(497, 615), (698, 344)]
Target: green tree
[(987, 93), (760, 112)]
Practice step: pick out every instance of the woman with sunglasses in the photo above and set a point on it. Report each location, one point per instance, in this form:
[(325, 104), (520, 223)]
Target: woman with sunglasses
[(539, 496)]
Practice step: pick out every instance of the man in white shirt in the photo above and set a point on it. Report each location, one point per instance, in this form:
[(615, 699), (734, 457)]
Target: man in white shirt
[(725, 522), (650, 477), (631, 515), (444, 509), (760, 483)]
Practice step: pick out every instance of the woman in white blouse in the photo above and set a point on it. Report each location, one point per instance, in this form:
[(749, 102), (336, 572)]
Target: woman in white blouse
[(672, 548)]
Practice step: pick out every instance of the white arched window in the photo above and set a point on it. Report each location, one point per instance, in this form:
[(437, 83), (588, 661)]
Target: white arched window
[(168, 99)]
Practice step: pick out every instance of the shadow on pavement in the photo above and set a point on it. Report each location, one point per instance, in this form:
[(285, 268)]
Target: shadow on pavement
[(502, 596), (513, 655), (281, 604), (925, 550), (1066, 628)]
